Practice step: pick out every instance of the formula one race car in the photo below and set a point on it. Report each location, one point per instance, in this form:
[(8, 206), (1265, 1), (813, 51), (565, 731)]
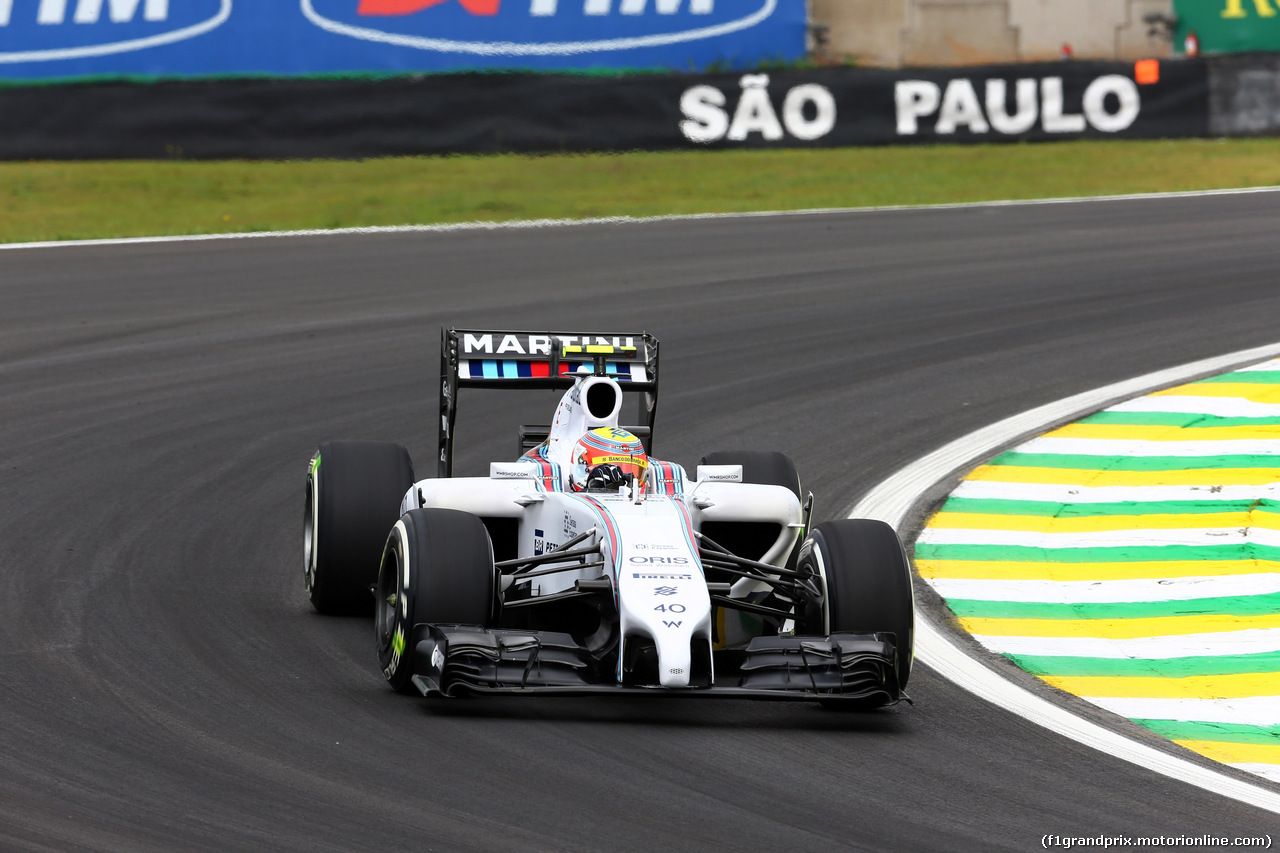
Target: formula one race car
[(588, 566)]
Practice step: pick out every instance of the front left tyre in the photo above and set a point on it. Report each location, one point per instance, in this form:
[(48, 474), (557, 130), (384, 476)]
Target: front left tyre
[(437, 567), (354, 491)]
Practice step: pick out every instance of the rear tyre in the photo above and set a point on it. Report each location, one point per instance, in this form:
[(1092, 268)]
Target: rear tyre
[(765, 467), (868, 582), (437, 567), (762, 467), (354, 490)]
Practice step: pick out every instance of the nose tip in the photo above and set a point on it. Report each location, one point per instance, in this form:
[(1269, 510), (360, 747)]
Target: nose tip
[(674, 667)]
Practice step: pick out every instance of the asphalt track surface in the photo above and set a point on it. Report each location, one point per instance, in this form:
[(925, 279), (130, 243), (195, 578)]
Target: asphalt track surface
[(166, 685)]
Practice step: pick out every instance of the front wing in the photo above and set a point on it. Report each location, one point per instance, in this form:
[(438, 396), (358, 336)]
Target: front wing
[(453, 660)]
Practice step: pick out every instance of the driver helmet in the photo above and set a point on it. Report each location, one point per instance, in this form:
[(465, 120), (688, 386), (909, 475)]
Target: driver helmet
[(608, 446)]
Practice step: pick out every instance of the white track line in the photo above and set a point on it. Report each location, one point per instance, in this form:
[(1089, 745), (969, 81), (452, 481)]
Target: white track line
[(893, 500), (523, 224)]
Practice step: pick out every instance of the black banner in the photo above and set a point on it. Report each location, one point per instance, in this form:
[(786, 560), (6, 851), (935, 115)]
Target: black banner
[(471, 113), (1244, 95), (1063, 100)]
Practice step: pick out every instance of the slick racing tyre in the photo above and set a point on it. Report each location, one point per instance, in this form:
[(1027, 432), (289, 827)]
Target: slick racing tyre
[(868, 582), (437, 567), (354, 490)]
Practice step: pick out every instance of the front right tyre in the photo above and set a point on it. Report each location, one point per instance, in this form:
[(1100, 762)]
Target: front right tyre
[(437, 567)]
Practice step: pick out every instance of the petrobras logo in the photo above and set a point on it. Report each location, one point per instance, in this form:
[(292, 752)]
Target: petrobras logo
[(52, 30), (535, 27)]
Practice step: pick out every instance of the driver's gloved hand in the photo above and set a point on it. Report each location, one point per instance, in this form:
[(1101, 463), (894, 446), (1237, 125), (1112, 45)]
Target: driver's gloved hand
[(606, 478)]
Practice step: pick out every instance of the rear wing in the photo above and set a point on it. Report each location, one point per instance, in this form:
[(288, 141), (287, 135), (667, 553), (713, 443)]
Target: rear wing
[(471, 358)]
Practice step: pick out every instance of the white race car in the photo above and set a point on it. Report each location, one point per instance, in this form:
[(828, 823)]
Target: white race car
[(588, 566)]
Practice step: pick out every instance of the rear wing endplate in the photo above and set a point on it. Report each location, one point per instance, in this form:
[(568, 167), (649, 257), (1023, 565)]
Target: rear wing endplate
[(471, 358)]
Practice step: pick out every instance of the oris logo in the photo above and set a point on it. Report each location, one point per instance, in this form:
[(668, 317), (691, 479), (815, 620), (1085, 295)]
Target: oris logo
[(535, 27), (52, 30), (808, 113), (666, 561)]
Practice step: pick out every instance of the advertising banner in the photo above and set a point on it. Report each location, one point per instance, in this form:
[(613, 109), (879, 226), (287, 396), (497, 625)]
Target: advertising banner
[(41, 39), (1228, 26), (521, 112), (1244, 95), (1060, 100)]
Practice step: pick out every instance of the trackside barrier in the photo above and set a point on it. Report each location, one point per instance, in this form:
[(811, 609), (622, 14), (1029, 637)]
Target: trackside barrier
[(528, 112), (59, 39)]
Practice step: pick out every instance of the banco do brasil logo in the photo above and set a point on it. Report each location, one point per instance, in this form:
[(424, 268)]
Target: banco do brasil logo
[(535, 27)]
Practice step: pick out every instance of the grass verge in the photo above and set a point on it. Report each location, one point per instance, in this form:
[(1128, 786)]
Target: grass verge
[(81, 200)]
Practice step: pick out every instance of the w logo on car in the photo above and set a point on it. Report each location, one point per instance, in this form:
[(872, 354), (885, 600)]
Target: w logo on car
[(529, 28), (51, 30)]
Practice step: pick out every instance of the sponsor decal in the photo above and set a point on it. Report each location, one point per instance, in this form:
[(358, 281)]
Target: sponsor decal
[(654, 546), (720, 473), (665, 590), (535, 27), (657, 576), (491, 344), (408, 7), (541, 544), (807, 112), (617, 459), (511, 471), (52, 30), (1226, 26), (1111, 103), (674, 561)]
